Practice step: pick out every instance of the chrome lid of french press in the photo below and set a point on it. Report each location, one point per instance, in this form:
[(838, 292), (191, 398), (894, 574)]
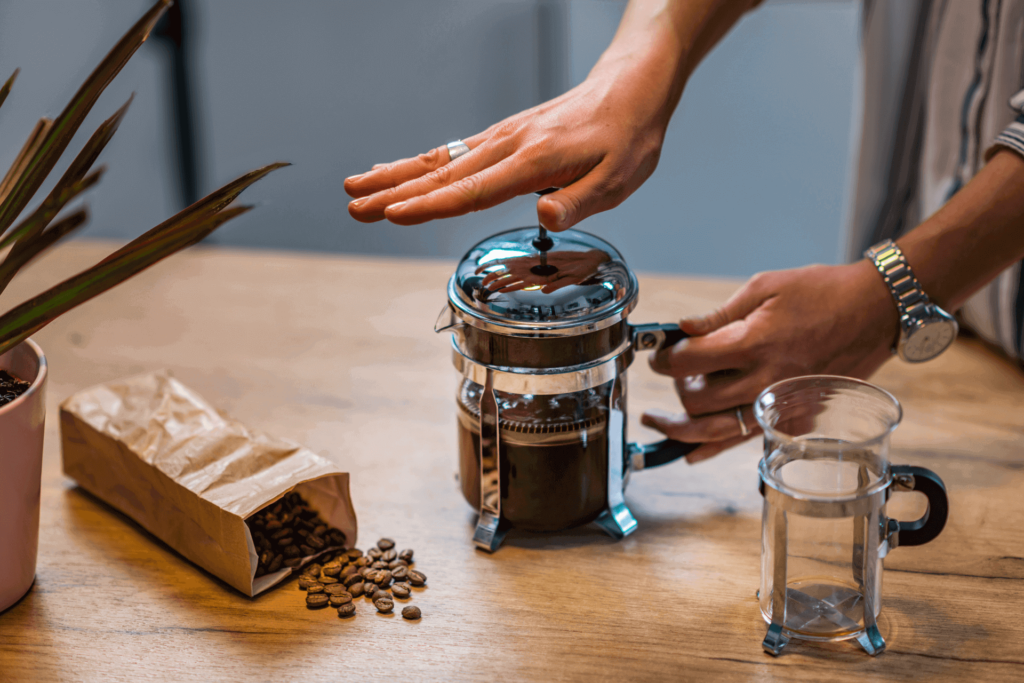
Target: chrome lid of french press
[(523, 283)]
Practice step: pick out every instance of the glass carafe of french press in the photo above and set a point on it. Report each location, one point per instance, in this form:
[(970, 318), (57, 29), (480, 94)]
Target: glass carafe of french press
[(825, 478), (542, 343)]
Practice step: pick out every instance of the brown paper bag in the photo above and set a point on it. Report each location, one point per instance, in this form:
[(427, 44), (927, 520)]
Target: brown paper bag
[(159, 453)]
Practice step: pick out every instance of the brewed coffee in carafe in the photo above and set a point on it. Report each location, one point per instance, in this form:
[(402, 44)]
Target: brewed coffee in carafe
[(554, 455)]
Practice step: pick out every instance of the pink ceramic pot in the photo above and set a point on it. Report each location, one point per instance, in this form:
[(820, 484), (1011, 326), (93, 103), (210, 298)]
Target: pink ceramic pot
[(21, 465)]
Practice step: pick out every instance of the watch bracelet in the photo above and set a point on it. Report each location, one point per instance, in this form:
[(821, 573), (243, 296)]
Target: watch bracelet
[(906, 291)]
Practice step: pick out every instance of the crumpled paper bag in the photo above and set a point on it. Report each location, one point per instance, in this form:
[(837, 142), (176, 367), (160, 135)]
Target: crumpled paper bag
[(155, 450)]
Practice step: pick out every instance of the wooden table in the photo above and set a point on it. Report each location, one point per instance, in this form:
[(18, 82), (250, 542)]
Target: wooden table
[(339, 354)]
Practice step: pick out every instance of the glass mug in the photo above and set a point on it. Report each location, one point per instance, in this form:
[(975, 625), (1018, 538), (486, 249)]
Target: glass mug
[(825, 479)]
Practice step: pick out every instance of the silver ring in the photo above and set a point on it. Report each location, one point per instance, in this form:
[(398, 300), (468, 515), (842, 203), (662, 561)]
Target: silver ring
[(744, 430), (456, 149)]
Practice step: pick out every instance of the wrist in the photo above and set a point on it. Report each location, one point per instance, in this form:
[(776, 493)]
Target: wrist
[(879, 310)]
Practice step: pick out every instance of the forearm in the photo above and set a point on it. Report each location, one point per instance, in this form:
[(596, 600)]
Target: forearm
[(976, 235), (661, 42)]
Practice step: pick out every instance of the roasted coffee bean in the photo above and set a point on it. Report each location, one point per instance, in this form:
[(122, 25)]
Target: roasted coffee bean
[(306, 550), (273, 524), (292, 551), (355, 553), (316, 542), (406, 555), (317, 600), (339, 600), (389, 555), (417, 578), (275, 563), (307, 581), (281, 534), (353, 579), (260, 571), (278, 509), (395, 564), (332, 568), (266, 557), (363, 571), (335, 589), (347, 610), (316, 588), (303, 533), (411, 612), (385, 544), (312, 569), (372, 575), (320, 529), (374, 553), (384, 605), (403, 584), (336, 536), (349, 571), (284, 541), (400, 573), (383, 578), (362, 561), (400, 590), (356, 589), (324, 579), (379, 564), (293, 562), (379, 594)]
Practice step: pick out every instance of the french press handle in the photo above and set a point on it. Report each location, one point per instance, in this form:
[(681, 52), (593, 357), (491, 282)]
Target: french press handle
[(930, 525), (642, 456)]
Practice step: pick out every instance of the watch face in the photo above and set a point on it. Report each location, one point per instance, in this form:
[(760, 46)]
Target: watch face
[(929, 340)]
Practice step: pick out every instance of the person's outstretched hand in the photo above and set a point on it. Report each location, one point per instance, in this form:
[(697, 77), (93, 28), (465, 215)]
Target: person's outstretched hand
[(598, 142), (835, 320)]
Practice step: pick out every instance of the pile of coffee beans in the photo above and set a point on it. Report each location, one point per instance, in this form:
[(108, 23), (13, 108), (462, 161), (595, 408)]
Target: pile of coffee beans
[(289, 531), (11, 387), (351, 574)]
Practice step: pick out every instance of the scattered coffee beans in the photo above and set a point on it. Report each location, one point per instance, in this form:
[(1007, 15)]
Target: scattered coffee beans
[(286, 531), (343, 575)]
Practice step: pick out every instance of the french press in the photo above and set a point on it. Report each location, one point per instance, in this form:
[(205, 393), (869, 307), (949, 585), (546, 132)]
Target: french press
[(541, 342), (826, 478)]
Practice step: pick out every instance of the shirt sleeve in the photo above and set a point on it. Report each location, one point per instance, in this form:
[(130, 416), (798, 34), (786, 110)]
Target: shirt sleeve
[(1013, 135)]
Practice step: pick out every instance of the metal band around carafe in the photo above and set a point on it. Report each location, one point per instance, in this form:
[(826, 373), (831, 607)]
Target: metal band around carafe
[(828, 509), (578, 379)]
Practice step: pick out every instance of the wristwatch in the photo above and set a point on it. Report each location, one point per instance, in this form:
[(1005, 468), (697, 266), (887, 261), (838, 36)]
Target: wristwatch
[(925, 329)]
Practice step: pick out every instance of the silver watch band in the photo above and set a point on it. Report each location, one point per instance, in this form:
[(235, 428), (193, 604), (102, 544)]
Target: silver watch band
[(906, 291)]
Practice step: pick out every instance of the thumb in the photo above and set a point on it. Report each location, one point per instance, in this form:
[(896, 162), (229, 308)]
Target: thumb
[(568, 206), (739, 306)]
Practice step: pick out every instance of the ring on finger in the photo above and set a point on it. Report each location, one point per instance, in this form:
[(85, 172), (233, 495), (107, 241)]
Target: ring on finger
[(456, 149), (744, 429)]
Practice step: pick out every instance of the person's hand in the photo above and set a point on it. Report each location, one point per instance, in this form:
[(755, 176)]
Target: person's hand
[(520, 272), (598, 142), (835, 320)]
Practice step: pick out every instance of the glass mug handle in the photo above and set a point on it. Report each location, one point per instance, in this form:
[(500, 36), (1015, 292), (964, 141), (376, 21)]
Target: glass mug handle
[(930, 525), (648, 338)]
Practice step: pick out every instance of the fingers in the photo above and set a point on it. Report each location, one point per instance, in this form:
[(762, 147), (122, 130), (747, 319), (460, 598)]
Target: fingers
[(716, 432), (489, 187), (403, 180), (741, 304), (387, 176), (582, 198), (723, 349), (719, 391)]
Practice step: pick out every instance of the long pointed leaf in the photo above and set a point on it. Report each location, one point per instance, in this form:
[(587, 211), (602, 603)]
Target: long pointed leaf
[(24, 320), (16, 260), (5, 89), (211, 203), (31, 147), (42, 216), (69, 120)]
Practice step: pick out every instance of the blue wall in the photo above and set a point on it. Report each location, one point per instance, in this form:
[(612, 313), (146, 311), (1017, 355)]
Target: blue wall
[(753, 176)]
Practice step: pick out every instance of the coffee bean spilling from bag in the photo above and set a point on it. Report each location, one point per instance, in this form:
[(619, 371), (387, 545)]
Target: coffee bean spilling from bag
[(349, 574), (288, 531)]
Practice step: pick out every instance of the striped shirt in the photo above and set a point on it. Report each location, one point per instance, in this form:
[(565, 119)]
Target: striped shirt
[(943, 90)]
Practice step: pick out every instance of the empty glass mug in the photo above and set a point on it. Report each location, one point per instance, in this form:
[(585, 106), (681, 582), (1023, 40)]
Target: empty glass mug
[(825, 479)]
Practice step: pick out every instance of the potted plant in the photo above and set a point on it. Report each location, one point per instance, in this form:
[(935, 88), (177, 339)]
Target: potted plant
[(22, 399)]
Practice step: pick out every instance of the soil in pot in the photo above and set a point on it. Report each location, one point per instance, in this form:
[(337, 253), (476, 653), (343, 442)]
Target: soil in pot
[(11, 387)]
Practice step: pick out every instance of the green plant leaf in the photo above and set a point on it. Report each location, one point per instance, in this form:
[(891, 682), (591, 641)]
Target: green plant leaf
[(35, 140), (26, 319), (17, 260), (5, 89), (41, 217), (67, 123)]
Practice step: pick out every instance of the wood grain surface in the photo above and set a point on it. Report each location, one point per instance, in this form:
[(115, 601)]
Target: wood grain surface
[(339, 354)]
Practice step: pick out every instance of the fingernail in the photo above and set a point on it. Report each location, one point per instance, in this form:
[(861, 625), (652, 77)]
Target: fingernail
[(397, 206), (354, 177), (560, 213), (357, 203)]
